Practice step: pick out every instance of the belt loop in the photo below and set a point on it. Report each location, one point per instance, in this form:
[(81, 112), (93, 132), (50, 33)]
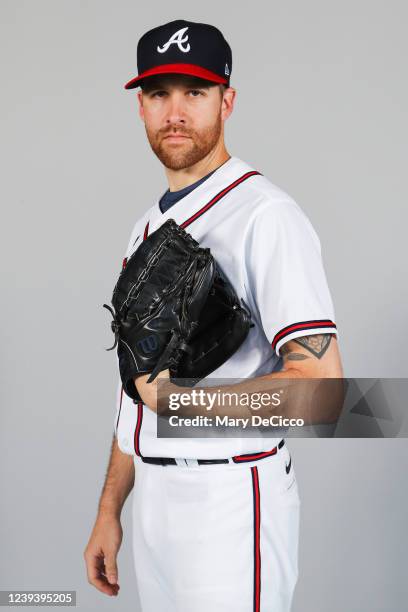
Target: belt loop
[(181, 462)]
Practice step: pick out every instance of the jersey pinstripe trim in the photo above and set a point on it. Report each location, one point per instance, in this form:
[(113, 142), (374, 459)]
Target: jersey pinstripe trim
[(213, 201), (320, 324), (257, 539), (146, 231), (138, 427), (218, 197)]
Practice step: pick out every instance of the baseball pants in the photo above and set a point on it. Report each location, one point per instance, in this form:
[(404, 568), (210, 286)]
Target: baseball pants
[(216, 537)]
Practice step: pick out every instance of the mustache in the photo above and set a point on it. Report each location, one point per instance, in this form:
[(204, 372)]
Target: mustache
[(169, 132)]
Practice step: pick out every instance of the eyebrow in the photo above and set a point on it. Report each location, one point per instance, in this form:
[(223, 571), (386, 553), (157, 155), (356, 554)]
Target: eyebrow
[(160, 86)]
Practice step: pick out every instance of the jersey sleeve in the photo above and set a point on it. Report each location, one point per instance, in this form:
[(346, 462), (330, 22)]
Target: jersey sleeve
[(285, 276)]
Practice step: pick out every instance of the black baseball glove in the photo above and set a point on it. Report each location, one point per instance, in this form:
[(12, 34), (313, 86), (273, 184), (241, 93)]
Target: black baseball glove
[(173, 308)]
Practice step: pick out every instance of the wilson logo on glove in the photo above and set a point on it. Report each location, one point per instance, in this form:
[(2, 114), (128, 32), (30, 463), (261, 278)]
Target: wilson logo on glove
[(148, 345), (173, 308)]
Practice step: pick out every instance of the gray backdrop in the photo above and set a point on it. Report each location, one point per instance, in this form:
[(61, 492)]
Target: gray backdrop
[(321, 110)]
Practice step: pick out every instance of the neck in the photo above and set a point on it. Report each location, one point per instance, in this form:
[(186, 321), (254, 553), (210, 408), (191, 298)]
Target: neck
[(178, 179)]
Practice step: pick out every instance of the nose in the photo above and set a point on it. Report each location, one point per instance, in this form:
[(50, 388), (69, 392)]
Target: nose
[(175, 109)]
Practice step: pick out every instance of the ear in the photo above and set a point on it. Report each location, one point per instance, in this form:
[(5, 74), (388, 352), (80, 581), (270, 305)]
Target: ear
[(140, 104), (227, 105)]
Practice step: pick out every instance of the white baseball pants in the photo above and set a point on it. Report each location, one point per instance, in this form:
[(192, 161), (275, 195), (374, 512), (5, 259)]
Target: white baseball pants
[(216, 538)]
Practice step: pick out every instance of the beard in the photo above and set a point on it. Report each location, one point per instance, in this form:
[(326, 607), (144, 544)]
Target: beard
[(190, 151)]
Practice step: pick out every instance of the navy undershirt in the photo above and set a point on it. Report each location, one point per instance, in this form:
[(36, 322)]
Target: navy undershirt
[(171, 197)]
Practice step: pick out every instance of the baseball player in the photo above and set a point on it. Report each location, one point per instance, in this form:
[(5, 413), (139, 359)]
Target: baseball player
[(216, 519)]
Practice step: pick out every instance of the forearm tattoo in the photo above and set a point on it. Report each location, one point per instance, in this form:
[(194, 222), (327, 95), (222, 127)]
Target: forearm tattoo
[(317, 344)]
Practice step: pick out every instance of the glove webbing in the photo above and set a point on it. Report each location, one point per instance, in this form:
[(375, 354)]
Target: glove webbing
[(178, 339)]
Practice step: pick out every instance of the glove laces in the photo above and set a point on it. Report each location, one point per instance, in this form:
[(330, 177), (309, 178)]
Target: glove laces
[(115, 326)]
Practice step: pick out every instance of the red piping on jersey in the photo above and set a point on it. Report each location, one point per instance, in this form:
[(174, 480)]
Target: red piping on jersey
[(300, 326), (213, 200), (138, 428), (218, 197), (146, 231), (257, 539)]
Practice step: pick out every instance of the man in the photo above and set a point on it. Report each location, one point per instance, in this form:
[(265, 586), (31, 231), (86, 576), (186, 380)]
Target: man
[(215, 520)]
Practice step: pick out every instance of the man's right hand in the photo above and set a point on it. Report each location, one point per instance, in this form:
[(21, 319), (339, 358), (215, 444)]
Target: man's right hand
[(101, 553)]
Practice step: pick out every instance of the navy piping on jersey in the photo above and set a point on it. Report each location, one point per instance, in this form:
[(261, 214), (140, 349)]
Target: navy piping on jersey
[(303, 325), (257, 539)]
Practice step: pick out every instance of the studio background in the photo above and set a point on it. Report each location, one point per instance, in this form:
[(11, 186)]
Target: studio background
[(321, 111)]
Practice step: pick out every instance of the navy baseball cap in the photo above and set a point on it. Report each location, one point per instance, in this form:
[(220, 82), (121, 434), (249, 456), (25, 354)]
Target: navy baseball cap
[(183, 47)]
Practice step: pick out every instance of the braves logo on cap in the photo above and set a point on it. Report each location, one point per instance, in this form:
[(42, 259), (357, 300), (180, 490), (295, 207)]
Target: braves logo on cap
[(167, 50), (176, 39)]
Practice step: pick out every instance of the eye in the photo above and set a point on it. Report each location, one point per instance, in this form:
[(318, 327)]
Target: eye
[(196, 93), (158, 94)]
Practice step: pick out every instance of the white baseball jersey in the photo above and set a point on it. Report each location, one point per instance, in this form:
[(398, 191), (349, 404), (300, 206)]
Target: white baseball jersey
[(268, 249)]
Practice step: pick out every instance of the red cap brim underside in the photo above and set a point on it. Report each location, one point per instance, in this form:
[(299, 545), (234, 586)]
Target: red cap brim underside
[(190, 69)]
